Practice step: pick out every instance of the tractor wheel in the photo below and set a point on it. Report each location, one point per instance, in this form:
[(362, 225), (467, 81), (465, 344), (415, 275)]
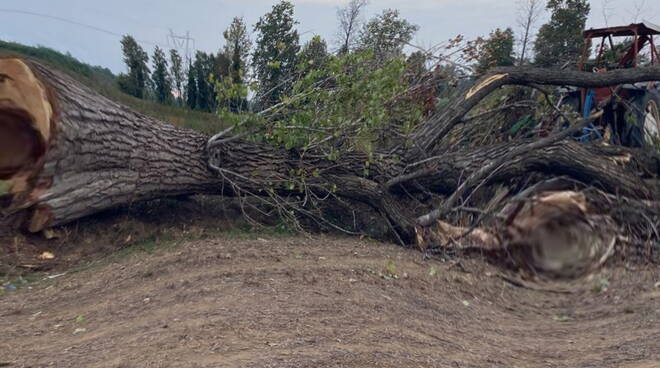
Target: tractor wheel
[(646, 129)]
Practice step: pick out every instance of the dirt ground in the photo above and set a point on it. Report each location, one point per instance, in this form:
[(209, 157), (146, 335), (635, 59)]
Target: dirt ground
[(283, 301)]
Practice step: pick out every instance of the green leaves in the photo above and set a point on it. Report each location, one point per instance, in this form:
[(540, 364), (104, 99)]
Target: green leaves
[(560, 40), (136, 81), (497, 50), (386, 34), (346, 102), (342, 105), (161, 77), (275, 56)]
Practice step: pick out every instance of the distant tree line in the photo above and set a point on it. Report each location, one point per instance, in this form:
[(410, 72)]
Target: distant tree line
[(272, 65)]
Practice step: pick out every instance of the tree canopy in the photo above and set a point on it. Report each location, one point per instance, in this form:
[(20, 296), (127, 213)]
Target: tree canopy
[(386, 34), (497, 50), (136, 81), (161, 77), (275, 56), (560, 40)]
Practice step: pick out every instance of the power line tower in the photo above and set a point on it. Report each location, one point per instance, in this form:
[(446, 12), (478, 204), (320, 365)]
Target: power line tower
[(182, 43)]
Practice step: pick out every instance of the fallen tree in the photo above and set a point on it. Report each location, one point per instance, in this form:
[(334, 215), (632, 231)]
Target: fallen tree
[(68, 152)]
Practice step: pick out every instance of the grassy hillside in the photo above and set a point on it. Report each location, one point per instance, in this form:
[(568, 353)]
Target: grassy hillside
[(104, 81)]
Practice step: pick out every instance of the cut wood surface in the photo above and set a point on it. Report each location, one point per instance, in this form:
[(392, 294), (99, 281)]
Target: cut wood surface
[(25, 113)]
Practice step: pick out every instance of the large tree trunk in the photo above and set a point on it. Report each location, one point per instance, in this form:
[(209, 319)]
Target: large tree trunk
[(99, 155), (89, 154)]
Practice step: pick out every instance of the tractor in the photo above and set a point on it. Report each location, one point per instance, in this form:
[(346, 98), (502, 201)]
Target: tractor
[(632, 117)]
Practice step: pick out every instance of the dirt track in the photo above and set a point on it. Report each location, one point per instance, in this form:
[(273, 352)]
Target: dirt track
[(323, 302)]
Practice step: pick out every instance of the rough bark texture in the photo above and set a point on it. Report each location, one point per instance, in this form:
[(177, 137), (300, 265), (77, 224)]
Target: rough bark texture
[(583, 162), (102, 155)]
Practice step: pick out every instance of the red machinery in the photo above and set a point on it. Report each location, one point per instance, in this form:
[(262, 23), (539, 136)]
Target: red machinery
[(634, 118)]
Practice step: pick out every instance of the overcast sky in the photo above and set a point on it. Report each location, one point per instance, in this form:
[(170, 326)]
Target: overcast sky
[(150, 21)]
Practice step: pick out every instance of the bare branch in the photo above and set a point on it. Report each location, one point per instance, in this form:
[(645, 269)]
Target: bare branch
[(529, 12), (350, 19)]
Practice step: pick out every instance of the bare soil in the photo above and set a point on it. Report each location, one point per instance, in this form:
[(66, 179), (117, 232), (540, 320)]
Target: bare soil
[(282, 301)]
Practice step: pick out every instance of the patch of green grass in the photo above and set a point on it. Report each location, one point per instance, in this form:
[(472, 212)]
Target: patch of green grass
[(201, 121)]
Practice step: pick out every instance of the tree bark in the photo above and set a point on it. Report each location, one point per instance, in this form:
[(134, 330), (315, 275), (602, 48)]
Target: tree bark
[(102, 155)]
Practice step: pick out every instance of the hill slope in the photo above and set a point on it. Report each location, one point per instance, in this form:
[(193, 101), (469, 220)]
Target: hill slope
[(104, 81)]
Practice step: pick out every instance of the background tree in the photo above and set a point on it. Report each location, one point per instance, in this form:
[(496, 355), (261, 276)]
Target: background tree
[(274, 58), (237, 51), (386, 34), (528, 14), (497, 50), (350, 20), (221, 65), (237, 43), (177, 74), (191, 88), (136, 82), (314, 55), (204, 67), (161, 77), (416, 67), (560, 40)]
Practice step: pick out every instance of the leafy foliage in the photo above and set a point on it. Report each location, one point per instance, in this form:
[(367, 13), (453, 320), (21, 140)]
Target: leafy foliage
[(136, 82), (231, 93), (203, 69), (191, 88), (314, 55), (497, 50), (386, 34), (274, 59), (416, 66), (237, 43), (560, 40), (161, 77), (237, 50), (347, 105)]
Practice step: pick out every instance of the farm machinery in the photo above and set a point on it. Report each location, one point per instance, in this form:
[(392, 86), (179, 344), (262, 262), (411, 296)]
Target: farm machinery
[(632, 116)]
